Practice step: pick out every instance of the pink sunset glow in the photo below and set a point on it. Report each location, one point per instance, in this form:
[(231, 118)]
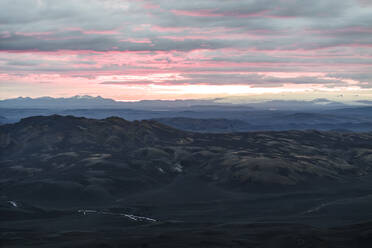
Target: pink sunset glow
[(160, 50)]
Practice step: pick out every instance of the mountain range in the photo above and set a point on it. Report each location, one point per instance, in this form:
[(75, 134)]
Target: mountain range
[(89, 102), (202, 115)]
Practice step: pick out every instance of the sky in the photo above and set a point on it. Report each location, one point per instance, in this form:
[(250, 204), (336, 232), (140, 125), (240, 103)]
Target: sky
[(162, 49)]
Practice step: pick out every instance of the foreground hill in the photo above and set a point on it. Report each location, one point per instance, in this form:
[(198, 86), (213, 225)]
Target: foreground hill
[(112, 157), (77, 182)]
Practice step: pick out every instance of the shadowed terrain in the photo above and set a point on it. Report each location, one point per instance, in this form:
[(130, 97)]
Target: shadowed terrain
[(74, 182)]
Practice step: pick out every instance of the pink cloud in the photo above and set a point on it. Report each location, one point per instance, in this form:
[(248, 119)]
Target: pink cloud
[(168, 29), (138, 41), (148, 5), (88, 69), (34, 34), (199, 13)]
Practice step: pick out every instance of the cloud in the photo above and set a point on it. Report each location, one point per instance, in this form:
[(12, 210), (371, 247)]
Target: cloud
[(208, 42)]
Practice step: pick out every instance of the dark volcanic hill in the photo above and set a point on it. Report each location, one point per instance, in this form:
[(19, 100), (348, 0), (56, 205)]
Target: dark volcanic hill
[(77, 182), (113, 157)]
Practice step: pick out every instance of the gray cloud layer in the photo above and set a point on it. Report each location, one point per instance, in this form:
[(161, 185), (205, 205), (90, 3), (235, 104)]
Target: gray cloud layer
[(300, 24), (331, 36)]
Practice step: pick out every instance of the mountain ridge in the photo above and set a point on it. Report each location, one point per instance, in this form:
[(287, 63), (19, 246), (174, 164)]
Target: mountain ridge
[(86, 101), (145, 184), (151, 154)]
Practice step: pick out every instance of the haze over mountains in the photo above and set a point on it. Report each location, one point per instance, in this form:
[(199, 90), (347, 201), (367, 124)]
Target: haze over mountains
[(99, 102)]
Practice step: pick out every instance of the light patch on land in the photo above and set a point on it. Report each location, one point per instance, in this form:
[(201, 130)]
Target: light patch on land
[(178, 168), (13, 203)]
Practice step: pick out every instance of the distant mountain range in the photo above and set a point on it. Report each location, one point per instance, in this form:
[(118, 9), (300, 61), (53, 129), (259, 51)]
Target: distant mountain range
[(201, 115), (89, 102), (59, 103)]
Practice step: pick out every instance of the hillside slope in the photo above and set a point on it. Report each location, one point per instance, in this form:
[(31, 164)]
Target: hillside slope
[(87, 158)]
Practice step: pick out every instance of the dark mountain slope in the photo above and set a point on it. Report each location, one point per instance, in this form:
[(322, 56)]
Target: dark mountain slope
[(77, 182), (206, 125), (110, 158), (57, 133)]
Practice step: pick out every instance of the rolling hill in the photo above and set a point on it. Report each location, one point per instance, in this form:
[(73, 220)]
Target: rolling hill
[(78, 182)]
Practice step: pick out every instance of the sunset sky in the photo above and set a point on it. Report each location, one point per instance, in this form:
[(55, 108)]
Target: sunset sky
[(162, 49)]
